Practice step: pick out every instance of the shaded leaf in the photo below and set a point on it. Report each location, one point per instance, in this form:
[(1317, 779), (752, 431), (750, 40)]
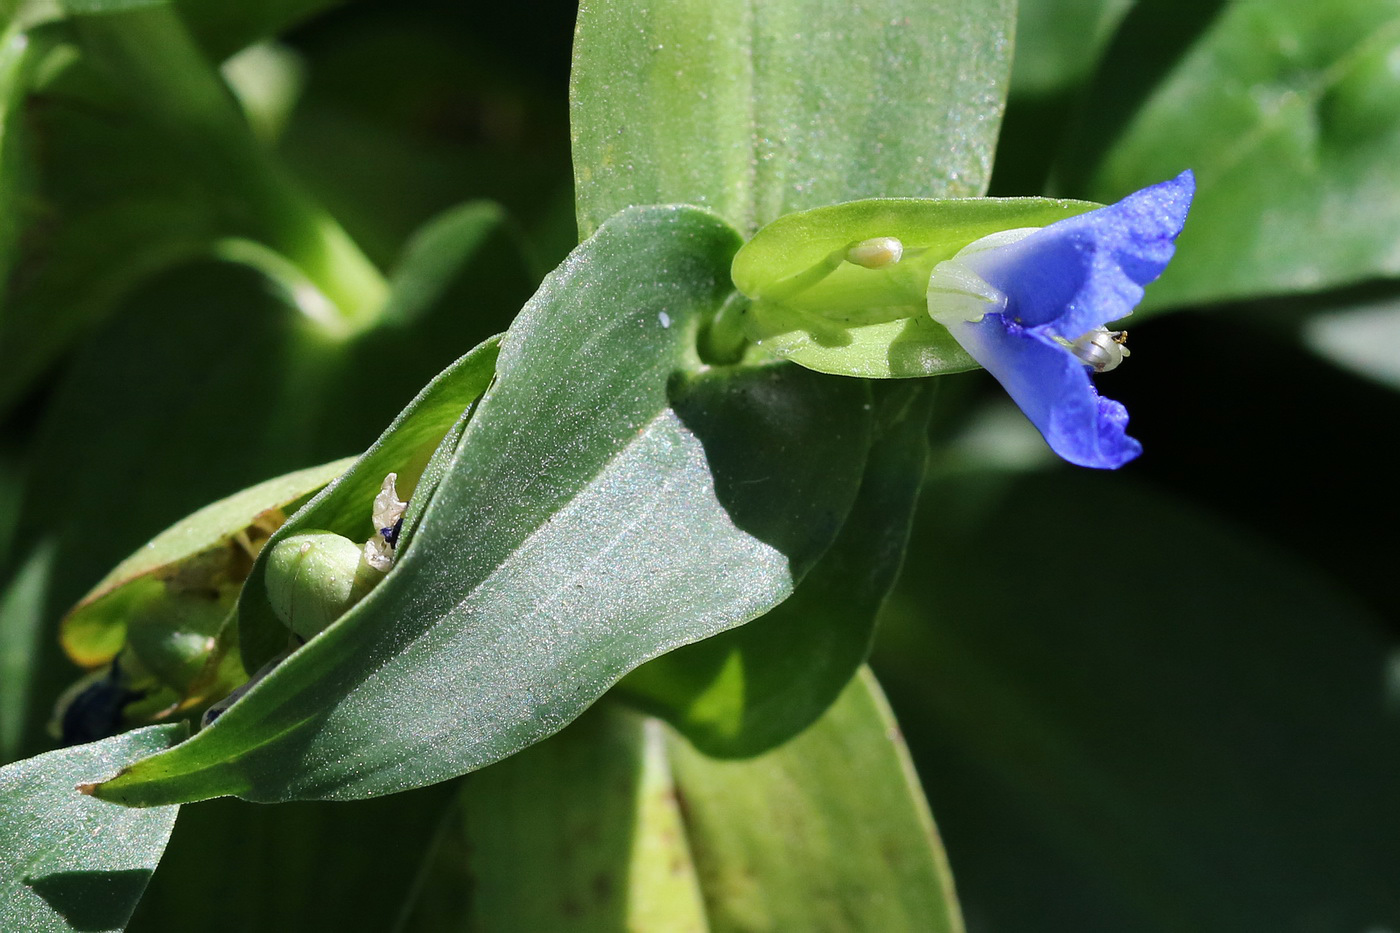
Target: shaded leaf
[(21, 612), (236, 867), (71, 862), (758, 109), (15, 55), (616, 823), (1050, 56), (750, 689), (183, 176)]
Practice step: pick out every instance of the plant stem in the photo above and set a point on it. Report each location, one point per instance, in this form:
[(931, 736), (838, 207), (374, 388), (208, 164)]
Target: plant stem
[(149, 53)]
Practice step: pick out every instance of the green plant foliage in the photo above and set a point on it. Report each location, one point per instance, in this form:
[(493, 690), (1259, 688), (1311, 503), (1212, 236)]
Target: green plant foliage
[(570, 631), (1288, 114), (582, 832), (21, 615), (14, 57), (426, 430), (756, 110), (844, 795), (617, 823), (273, 394), (184, 562), (753, 688), (70, 862), (596, 388)]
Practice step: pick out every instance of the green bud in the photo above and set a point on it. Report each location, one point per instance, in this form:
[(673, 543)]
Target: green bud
[(314, 577), (844, 289)]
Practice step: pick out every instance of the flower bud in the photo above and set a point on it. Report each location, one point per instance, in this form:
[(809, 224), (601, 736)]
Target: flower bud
[(313, 578)]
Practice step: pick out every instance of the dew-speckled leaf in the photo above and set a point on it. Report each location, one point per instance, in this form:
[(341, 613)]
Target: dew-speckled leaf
[(1289, 114), (192, 552), (856, 321), (610, 500), (72, 863), (829, 833), (750, 689), (582, 832), (758, 109)]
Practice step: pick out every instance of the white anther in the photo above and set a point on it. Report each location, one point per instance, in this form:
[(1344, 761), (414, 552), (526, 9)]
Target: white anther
[(1100, 349)]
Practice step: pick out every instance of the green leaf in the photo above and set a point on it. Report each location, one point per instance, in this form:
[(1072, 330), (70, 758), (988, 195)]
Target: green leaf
[(223, 28), (618, 824), (758, 109), (814, 308), (1171, 727), (582, 832), (14, 57), (610, 500), (828, 833), (750, 689), (72, 862), (434, 256), (21, 615), (198, 553), (1288, 114), (204, 383), (1057, 42), (407, 447)]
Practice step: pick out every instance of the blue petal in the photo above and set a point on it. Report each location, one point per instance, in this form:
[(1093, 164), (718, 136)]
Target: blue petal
[(1054, 390), (1081, 273), (1059, 283)]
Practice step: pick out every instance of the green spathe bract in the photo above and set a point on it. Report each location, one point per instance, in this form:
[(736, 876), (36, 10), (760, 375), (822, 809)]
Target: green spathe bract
[(611, 499), (812, 307), (94, 630)]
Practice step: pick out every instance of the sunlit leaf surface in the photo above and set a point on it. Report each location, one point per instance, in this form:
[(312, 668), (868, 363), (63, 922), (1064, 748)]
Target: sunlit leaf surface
[(758, 109)]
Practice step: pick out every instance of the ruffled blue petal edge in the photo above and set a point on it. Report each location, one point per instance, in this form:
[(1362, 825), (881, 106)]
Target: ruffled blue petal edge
[(1054, 390)]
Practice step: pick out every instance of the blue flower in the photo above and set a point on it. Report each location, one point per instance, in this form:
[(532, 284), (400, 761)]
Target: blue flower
[(1030, 305)]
